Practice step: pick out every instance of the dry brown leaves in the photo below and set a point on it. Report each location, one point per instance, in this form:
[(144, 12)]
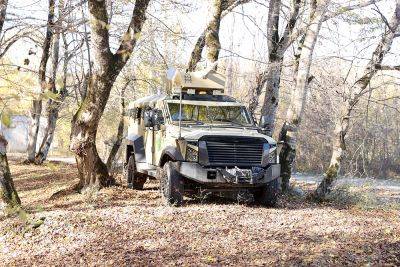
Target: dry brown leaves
[(119, 226)]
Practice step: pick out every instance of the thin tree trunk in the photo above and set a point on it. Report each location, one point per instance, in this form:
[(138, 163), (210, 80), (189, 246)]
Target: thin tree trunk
[(266, 89), (7, 190), (37, 103), (53, 106), (361, 88), (8, 194), (213, 45), (271, 98), (196, 53), (35, 112), (289, 130), (3, 11), (120, 131), (92, 170), (226, 7)]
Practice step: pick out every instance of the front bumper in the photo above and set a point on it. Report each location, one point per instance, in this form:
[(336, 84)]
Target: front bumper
[(232, 176)]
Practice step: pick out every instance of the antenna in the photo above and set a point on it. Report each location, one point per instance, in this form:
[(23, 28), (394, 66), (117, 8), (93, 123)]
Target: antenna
[(180, 114)]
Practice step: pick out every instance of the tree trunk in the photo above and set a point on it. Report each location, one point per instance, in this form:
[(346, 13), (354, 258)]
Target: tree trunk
[(7, 190), (52, 116), (226, 7), (92, 171), (53, 106), (338, 147), (196, 53), (271, 96), (35, 114), (3, 11), (120, 131), (350, 101), (266, 90), (37, 103), (213, 45), (289, 130)]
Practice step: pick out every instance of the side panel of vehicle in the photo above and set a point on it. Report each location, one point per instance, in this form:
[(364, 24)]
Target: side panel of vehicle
[(135, 145), (170, 153)]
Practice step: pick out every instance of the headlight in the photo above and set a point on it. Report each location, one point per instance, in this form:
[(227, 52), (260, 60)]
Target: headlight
[(192, 152), (270, 154), (273, 156)]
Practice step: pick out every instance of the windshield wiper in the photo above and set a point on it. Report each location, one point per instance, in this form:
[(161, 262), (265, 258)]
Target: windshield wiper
[(193, 121), (232, 122)]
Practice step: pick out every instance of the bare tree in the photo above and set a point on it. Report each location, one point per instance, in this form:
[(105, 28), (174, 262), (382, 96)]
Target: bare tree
[(3, 11), (7, 190), (56, 99), (120, 131), (350, 101), (36, 109), (266, 89), (211, 33), (318, 13), (296, 107), (107, 66)]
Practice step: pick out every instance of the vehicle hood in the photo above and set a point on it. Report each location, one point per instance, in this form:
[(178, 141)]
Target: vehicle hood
[(193, 134)]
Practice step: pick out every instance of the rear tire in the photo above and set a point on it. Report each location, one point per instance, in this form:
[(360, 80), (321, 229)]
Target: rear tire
[(268, 194), (135, 179), (171, 185)]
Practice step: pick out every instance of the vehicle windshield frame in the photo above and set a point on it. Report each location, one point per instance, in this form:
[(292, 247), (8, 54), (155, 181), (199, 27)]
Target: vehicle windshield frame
[(243, 110)]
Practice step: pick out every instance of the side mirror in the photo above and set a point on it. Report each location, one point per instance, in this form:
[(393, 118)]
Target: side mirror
[(263, 122), (148, 118)]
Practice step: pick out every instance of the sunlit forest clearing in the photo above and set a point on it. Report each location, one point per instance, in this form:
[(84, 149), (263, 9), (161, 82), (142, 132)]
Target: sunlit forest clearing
[(118, 225), (215, 132)]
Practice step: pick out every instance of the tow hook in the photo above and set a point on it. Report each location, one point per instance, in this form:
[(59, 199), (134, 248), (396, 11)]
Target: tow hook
[(237, 175)]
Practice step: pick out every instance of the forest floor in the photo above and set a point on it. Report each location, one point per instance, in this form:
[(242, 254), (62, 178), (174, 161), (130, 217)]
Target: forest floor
[(118, 226)]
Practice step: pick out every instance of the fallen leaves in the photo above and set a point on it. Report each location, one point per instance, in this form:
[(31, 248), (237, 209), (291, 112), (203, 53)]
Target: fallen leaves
[(119, 226)]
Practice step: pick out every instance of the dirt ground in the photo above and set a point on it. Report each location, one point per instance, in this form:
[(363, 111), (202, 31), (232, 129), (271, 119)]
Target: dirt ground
[(119, 226)]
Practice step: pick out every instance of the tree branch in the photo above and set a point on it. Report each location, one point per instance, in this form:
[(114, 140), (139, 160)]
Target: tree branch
[(132, 34)]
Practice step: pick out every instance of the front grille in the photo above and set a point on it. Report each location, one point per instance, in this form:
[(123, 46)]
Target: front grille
[(234, 151)]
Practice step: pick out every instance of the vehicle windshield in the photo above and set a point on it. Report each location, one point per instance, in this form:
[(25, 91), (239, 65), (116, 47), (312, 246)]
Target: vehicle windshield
[(199, 114)]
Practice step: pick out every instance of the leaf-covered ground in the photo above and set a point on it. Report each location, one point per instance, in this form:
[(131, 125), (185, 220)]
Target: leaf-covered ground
[(119, 226)]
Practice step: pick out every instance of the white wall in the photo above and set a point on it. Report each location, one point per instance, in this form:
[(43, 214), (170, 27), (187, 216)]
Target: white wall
[(17, 133)]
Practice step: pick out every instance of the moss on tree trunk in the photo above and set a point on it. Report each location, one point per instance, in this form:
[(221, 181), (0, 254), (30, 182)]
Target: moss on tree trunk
[(7, 190)]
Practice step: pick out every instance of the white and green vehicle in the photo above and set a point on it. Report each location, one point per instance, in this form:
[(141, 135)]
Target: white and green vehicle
[(197, 139)]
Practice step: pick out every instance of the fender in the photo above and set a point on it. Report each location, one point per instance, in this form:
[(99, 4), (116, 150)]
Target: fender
[(172, 152), (137, 142)]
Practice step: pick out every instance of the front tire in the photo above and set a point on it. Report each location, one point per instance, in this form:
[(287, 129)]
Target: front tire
[(135, 179), (267, 195), (171, 185)]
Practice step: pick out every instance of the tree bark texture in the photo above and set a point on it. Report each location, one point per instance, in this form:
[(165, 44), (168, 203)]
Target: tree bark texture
[(120, 130), (226, 6), (36, 109), (92, 171), (54, 105), (3, 11), (350, 102), (266, 89), (8, 194), (213, 45), (289, 130)]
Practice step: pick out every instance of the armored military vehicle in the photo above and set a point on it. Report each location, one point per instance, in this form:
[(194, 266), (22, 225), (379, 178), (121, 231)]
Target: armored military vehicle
[(196, 139)]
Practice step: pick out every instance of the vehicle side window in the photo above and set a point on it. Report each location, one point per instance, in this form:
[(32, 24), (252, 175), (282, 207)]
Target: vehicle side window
[(138, 113), (159, 117)]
